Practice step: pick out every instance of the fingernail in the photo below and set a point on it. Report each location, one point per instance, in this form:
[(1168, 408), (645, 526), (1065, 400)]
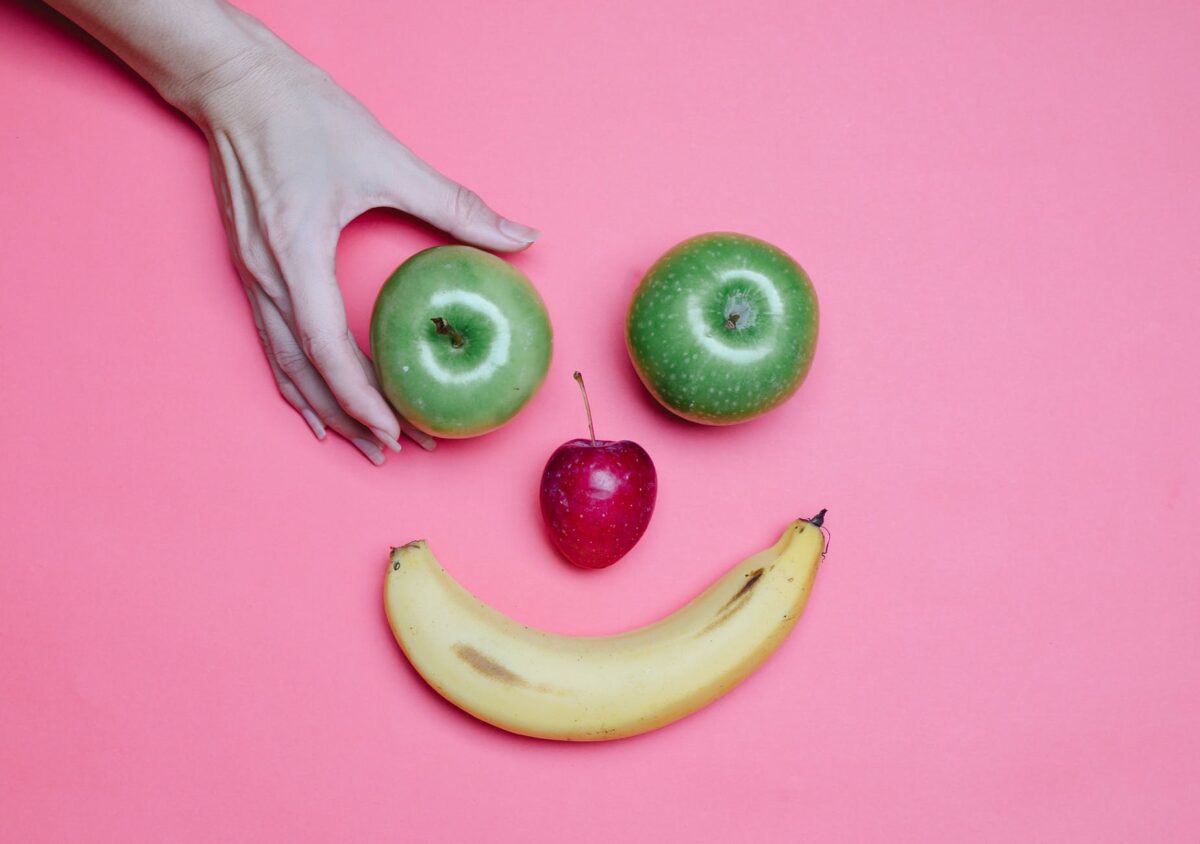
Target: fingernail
[(421, 438), (318, 427), (386, 438), (370, 449), (516, 231)]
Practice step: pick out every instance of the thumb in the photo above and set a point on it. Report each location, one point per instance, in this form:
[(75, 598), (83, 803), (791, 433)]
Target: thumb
[(422, 191)]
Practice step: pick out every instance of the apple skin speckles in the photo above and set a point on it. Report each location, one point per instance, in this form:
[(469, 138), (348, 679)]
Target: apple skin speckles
[(723, 328)]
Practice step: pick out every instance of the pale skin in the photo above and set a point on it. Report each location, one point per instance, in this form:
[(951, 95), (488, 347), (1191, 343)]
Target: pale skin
[(294, 159)]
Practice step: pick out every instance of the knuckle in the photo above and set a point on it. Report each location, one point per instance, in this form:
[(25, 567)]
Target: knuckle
[(467, 206), (321, 345), (292, 361)]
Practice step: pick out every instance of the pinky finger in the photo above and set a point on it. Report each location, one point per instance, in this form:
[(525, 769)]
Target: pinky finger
[(290, 392)]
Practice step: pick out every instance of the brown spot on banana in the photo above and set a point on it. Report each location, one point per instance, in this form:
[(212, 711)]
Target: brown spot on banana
[(751, 579), (487, 666), (739, 600), (723, 617)]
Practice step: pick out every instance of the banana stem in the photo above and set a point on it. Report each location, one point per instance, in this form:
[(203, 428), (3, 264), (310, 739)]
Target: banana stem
[(818, 520)]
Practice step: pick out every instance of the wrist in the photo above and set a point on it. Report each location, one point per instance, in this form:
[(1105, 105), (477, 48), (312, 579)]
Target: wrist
[(184, 48), (238, 48)]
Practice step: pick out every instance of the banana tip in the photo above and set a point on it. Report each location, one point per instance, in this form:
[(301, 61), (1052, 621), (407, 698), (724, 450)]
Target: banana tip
[(396, 549)]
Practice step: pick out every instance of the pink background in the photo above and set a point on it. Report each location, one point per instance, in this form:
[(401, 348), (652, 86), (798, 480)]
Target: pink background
[(998, 203)]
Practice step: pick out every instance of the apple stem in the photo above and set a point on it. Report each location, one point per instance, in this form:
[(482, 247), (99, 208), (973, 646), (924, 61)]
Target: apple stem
[(731, 321), (586, 406), (443, 327)]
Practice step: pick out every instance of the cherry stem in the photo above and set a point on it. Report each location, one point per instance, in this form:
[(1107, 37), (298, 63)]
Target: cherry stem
[(586, 406), (443, 327), (731, 321)]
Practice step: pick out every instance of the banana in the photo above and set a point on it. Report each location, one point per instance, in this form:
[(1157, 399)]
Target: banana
[(592, 688)]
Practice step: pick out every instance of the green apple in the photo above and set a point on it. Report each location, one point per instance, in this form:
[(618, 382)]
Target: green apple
[(461, 341), (722, 328)]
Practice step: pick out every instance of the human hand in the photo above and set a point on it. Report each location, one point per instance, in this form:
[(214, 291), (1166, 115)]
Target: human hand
[(294, 159)]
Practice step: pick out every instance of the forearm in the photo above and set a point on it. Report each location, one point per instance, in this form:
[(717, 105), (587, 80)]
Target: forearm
[(186, 49)]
